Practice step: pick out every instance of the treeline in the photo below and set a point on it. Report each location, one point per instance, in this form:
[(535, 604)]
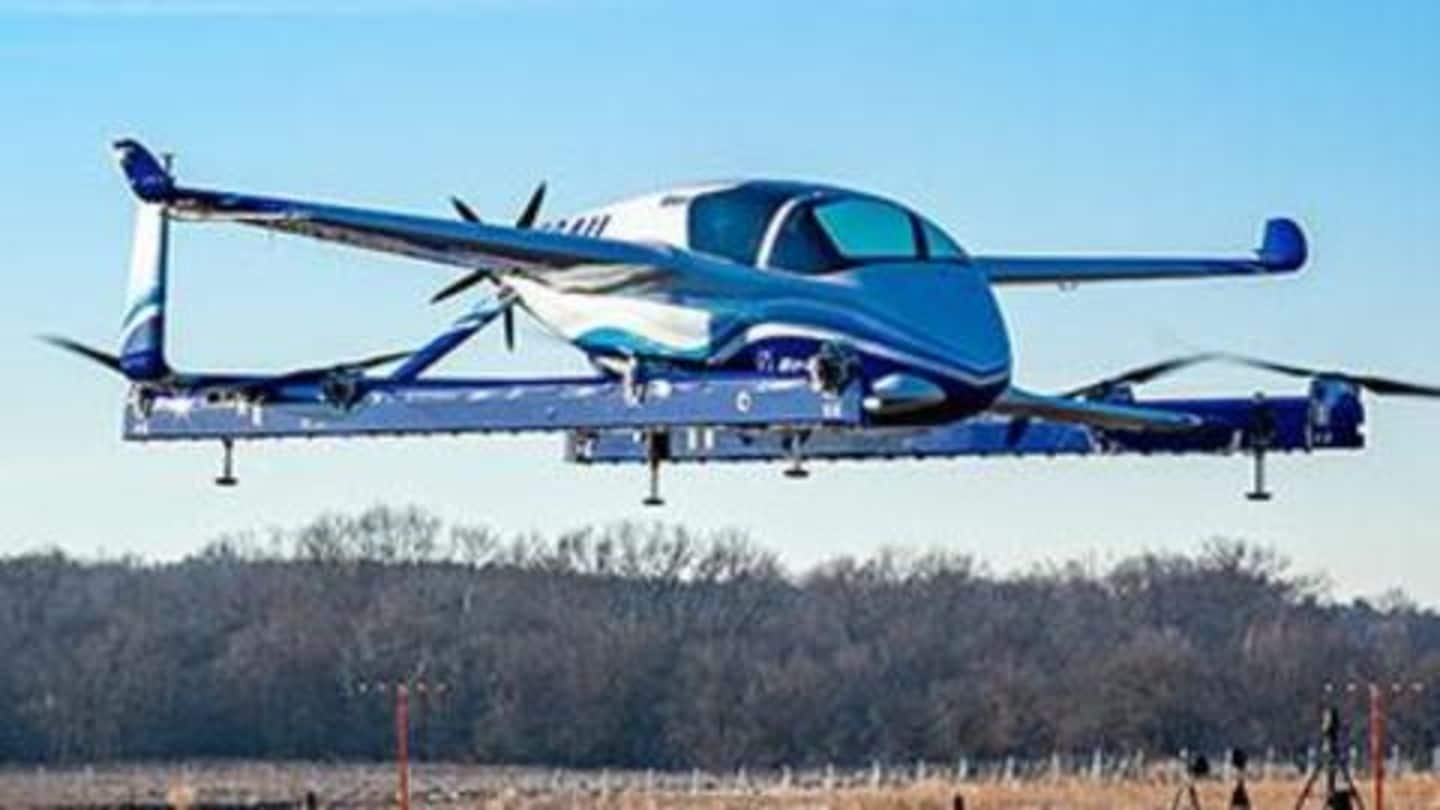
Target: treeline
[(653, 646)]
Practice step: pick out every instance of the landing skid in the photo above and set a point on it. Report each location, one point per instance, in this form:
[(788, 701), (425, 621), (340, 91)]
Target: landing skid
[(738, 418)]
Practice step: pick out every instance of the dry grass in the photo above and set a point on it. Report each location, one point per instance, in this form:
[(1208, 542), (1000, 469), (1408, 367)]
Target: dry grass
[(448, 786)]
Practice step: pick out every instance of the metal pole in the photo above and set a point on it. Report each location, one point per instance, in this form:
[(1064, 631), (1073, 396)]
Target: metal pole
[(1377, 742), (402, 742)]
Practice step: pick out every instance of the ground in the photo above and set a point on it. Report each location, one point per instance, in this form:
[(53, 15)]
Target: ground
[(458, 786)]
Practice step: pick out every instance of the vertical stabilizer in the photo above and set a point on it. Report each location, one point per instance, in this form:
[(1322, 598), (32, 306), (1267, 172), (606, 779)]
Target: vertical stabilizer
[(142, 333)]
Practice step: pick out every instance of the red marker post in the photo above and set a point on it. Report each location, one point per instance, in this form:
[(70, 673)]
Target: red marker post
[(1377, 742), (402, 691)]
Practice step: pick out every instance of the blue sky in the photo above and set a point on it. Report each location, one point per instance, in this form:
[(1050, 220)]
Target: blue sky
[(1035, 126)]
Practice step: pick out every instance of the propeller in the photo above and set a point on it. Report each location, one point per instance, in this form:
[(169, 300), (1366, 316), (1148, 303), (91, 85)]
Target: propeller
[(320, 372), (1141, 375), (1375, 384), (257, 386), (94, 355), (466, 212), (525, 221), (509, 324)]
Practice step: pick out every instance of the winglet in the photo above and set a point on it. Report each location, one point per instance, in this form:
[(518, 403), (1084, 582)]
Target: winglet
[(147, 177), (1283, 248)]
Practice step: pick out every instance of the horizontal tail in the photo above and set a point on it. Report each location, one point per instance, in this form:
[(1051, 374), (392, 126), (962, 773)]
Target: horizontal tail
[(148, 178)]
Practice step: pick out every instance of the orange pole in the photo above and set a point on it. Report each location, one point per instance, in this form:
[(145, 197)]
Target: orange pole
[(1377, 742), (402, 742)]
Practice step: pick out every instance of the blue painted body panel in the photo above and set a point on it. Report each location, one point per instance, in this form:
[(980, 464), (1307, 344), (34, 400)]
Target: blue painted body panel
[(1230, 430), (398, 408), (738, 418)]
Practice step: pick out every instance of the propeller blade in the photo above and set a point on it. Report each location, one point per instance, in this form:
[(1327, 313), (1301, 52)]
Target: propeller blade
[(374, 360), (524, 221), (460, 285), (532, 208), (1140, 375), (466, 212), (510, 326), (316, 372), (1375, 384), (94, 355)]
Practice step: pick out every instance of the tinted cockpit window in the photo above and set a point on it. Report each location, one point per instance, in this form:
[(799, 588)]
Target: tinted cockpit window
[(939, 245), (868, 229), (831, 235), (732, 223)]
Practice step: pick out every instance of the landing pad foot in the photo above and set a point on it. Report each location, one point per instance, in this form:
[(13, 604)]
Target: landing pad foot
[(1258, 492), (227, 478), (795, 447)]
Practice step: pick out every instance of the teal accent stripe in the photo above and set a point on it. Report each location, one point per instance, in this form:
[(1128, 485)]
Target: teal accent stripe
[(625, 342), (152, 298)]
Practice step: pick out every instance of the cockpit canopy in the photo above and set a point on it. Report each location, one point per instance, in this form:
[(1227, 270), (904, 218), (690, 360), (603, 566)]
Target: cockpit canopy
[(812, 229)]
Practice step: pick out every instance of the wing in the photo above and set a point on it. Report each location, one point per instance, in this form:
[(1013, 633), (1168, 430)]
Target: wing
[(1107, 415), (445, 241), (1282, 250)]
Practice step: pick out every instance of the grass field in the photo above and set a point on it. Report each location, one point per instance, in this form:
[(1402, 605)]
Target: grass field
[(456, 786)]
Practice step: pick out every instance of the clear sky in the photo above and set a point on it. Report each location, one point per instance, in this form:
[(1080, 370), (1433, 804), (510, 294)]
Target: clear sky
[(1022, 126)]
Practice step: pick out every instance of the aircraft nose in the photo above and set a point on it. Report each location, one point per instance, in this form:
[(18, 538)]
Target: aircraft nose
[(950, 313)]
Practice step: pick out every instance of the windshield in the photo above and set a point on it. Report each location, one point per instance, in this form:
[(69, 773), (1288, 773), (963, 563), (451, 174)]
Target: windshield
[(833, 234), (867, 229)]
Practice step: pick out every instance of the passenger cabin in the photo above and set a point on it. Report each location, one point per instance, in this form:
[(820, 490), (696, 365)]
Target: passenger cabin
[(811, 229), (796, 227)]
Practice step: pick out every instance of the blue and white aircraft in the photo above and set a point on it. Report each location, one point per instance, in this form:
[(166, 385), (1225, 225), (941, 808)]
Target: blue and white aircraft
[(749, 283)]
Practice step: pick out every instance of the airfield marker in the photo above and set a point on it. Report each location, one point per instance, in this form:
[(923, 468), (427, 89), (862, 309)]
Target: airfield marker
[(1377, 743), (402, 742), (401, 691)]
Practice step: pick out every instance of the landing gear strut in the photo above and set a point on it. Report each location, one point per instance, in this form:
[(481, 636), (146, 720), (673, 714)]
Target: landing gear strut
[(794, 444), (1262, 432), (657, 449), (227, 478), (1258, 492)]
